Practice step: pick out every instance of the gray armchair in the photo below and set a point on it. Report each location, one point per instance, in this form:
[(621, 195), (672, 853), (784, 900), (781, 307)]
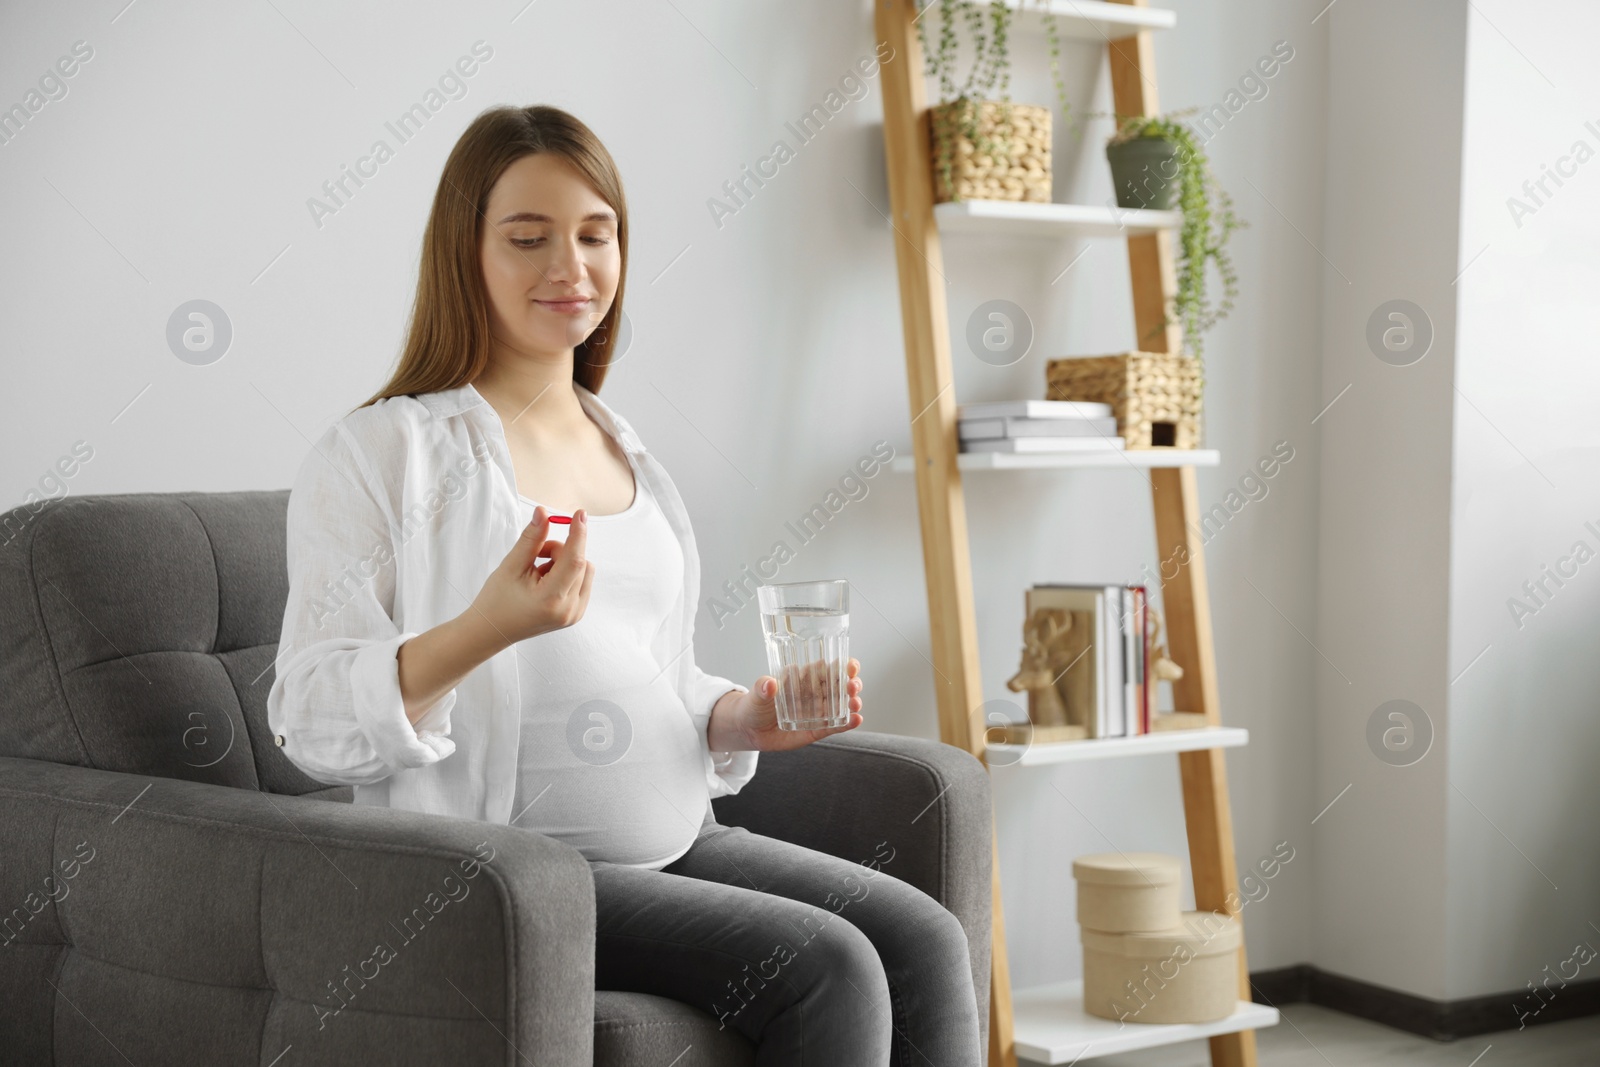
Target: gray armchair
[(174, 890)]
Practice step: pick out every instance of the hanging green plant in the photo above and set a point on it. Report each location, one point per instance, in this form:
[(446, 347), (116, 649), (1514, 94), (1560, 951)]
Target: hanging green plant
[(1208, 217), (981, 111), (1052, 40), (988, 79)]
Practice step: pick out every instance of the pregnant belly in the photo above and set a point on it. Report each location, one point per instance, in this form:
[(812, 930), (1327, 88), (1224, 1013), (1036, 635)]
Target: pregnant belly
[(617, 774)]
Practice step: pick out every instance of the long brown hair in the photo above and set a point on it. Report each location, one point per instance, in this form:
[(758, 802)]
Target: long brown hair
[(448, 343)]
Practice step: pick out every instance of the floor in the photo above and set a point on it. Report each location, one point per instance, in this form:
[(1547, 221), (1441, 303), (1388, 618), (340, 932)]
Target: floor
[(1310, 1036)]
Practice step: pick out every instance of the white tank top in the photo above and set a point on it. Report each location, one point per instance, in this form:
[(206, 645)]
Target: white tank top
[(609, 760)]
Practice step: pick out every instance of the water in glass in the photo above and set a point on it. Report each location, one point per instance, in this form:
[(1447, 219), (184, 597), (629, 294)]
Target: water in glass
[(807, 651)]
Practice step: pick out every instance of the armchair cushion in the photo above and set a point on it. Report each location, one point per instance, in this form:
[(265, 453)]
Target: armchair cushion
[(634, 1029)]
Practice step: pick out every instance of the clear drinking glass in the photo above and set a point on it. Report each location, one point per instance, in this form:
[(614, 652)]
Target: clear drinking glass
[(807, 627)]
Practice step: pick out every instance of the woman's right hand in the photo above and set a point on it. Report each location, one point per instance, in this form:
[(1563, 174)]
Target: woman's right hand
[(523, 597)]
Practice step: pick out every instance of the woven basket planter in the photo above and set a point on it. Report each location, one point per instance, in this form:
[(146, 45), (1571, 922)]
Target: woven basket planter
[(1020, 172), (1155, 397)]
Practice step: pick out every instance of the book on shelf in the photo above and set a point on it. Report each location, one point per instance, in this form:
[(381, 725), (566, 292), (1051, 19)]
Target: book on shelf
[(1105, 684), (1010, 426), (1035, 445), (1114, 710), (1033, 409), (1136, 642)]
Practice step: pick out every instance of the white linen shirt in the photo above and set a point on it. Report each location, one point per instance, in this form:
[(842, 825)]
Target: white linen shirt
[(395, 520)]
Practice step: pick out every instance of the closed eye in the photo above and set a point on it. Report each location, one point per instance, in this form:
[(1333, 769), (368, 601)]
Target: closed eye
[(530, 242)]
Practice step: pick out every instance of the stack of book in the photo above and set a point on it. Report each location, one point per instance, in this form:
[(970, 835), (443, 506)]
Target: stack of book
[(1104, 684), (1036, 426)]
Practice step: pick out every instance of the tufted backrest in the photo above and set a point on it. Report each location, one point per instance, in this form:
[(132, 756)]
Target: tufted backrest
[(138, 633)]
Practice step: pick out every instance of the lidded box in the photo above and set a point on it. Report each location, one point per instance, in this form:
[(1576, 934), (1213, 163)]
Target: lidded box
[(1127, 892), (1188, 974)]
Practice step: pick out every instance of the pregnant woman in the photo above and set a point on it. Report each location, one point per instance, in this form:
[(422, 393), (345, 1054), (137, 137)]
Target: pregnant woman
[(445, 649)]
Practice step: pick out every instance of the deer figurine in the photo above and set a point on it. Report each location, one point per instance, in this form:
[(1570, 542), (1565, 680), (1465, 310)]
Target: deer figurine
[(1043, 659), (1162, 669)]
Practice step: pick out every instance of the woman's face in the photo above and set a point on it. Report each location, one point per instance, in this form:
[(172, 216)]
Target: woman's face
[(548, 245)]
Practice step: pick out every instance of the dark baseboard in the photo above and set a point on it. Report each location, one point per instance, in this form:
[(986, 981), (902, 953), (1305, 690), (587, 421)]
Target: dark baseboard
[(1286, 985), (1438, 1019)]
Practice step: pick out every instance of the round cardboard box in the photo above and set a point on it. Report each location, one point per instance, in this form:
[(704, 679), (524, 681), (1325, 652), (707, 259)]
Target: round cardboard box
[(1127, 892), (1189, 974)]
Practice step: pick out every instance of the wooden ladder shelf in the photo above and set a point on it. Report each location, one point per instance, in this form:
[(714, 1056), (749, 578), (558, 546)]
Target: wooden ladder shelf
[(942, 511)]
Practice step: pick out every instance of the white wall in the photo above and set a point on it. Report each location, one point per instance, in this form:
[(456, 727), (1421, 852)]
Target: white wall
[(1390, 229), (1447, 484), (1524, 873)]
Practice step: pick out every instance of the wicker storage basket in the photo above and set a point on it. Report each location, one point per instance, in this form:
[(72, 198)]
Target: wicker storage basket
[(1020, 172), (1155, 397)]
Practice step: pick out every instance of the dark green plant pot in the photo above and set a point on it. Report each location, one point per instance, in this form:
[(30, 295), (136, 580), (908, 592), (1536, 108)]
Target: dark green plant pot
[(1145, 172)]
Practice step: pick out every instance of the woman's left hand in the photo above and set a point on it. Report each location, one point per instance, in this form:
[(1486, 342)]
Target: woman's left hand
[(759, 713)]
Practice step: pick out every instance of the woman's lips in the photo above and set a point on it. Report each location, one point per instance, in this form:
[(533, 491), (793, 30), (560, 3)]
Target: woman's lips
[(565, 307)]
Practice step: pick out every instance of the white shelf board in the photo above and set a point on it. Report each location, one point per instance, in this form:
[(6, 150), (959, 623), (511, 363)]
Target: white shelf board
[(1095, 20), (1014, 218), (1109, 457), (1162, 741), (1051, 1026)]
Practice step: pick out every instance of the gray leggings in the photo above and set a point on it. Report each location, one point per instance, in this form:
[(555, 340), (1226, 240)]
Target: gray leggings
[(819, 961)]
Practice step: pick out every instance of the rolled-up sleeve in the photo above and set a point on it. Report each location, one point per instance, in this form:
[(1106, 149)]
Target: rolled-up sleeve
[(335, 704), (729, 770)]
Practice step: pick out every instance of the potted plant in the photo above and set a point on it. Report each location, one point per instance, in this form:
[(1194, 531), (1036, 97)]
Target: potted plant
[(1156, 162), (984, 146)]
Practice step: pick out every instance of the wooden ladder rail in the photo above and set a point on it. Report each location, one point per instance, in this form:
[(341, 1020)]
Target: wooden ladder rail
[(942, 510), (941, 507), (1203, 773)]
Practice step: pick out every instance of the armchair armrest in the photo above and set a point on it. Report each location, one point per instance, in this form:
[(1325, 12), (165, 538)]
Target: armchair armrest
[(858, 795), (185, 922)]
